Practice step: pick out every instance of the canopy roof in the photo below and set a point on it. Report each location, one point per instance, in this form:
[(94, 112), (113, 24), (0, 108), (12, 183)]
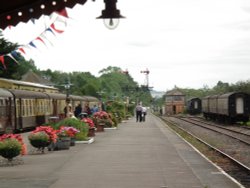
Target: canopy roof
[(14, 11)]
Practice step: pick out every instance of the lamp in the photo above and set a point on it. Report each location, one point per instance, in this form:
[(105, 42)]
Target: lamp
[(110, 14)]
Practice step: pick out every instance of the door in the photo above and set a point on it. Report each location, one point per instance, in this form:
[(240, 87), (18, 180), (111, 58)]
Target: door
[(239, 105)]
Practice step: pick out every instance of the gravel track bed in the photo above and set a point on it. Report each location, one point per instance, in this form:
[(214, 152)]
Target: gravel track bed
[(230, 146)]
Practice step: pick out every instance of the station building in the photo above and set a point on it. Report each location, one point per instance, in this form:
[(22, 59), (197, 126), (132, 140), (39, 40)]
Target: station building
[(174, 102)]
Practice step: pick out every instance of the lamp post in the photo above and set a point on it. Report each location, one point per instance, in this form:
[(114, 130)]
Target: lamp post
[(67, 87), (100, 94)]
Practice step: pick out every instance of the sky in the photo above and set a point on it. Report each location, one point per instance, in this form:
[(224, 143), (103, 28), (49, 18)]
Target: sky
[(183, 43)]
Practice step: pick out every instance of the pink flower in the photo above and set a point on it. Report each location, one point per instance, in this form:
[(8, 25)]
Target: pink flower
[(89, 122), (48, 130), (67, 131)]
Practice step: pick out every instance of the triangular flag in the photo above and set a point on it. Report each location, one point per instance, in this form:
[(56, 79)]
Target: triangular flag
[(57, 30), (22, 50), (48, 29), (33, 20), (14, 54), (13, 58), (63, 12), (2, 61), (32, 44), (39, 38)]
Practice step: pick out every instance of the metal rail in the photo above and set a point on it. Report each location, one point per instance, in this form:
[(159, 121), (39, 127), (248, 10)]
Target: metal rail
[(213, 129), (210, 146)]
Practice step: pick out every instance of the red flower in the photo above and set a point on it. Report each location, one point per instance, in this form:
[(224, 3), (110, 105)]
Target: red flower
[(89, 122), (19, 138), (67, 131), (48, 130), (101, 115)]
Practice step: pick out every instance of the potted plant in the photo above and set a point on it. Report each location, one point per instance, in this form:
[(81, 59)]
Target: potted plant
[(78, 124), (39, 140), (43, 136), (12, 145), (66, 137), (71, 132), (91, 125), (102, 119)]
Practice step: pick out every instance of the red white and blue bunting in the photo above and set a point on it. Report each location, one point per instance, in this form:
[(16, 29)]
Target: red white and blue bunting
[(54, 29)]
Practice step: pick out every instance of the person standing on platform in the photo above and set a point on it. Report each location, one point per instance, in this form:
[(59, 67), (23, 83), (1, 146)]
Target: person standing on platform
[(78, 110), (138, 110), (144, 113)]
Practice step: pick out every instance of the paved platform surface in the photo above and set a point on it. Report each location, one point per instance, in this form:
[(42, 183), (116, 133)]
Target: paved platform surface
[(136, 155)]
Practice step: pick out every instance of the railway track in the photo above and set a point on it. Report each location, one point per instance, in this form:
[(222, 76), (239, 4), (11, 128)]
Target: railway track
[(224, 156), (235, 134)]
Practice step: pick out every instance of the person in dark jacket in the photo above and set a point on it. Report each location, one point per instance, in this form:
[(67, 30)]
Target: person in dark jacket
[(138, 110), (78, 110)]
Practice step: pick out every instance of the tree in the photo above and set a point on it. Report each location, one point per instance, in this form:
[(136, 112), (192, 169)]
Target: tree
[(10, 69)]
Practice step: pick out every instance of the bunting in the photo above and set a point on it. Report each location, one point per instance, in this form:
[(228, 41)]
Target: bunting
[(40, 39), (14, 55), (54, 28), (11, 56), (63, 12), (2, 61)]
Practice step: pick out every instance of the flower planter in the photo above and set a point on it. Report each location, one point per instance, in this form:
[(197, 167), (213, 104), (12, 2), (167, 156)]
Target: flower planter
[(10, 148), (39, 144), (91, 132), (63, 143), (100, 127), (72, 141)]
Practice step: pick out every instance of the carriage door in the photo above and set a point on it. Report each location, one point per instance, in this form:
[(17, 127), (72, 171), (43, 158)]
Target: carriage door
[(239, 105)]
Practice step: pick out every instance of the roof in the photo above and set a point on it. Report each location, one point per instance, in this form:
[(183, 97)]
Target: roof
[(12, 12), (174, 92), (23, 83), (30, 76)]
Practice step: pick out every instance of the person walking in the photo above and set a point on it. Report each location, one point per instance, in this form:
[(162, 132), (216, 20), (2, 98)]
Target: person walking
[(144, 113), (138, 110)]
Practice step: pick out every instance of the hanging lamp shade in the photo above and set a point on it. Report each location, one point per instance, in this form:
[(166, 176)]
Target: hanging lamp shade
[(110, 10), (110, 14)]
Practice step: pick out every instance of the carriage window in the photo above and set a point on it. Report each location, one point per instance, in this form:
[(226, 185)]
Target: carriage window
[(2, 107), (195, 104), (17, 108)]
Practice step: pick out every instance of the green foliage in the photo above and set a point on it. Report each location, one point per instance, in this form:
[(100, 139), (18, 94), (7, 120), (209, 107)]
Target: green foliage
[(76, 123), (10, 148), (39, 139), (13, 70)]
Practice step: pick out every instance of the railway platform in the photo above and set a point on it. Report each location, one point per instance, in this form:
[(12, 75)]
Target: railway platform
[(136, 155)]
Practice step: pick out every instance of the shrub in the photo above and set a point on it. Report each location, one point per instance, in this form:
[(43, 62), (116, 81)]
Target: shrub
[(39, 140), (10, 148), (76, 123)]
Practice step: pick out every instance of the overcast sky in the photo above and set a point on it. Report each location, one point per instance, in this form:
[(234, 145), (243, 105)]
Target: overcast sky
[(187, 43)]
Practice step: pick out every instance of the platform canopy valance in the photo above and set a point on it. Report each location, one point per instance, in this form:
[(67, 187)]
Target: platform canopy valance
[(14, 11)]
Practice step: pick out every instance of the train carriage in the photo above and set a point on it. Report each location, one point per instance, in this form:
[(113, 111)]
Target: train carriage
[(229, 107), (234, 107), (31, 108), (57, 102), (25, 105), (6, 110), (194, 106)]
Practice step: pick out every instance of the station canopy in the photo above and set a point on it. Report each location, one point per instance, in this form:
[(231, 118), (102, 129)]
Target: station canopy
[(14, 11)]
